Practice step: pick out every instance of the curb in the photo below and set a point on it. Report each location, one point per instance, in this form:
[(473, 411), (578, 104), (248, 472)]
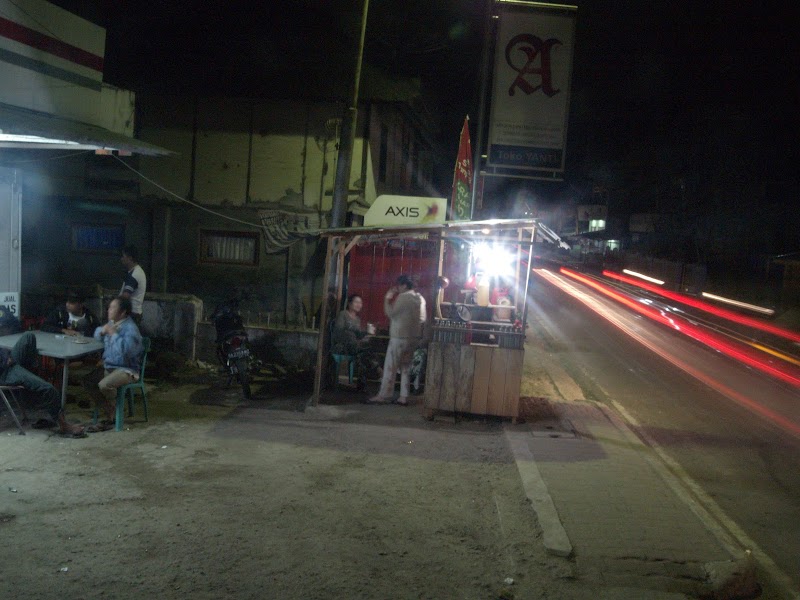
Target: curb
[(556, 541), (733, 579)]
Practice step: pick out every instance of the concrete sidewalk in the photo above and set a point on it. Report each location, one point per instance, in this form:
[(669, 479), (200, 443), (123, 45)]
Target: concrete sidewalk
[(604, 501), (606, 505), (374, 482)]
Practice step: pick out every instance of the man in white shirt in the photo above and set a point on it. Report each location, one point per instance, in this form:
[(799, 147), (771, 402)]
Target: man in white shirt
[(406, 311), (135, 283)]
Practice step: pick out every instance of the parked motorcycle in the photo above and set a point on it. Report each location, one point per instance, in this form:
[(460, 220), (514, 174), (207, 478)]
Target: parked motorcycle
[(233, 348)]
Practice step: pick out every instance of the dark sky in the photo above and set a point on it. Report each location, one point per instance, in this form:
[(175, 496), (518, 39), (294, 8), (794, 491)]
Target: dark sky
[(250, 47), (697, 87), (705, 93)]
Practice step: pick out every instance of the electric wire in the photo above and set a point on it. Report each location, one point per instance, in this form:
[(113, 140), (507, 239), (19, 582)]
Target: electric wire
[(177, 197), (37, 21)]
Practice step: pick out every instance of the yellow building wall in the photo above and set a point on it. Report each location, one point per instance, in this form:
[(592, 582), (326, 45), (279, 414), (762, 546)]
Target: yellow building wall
[(249, 151)]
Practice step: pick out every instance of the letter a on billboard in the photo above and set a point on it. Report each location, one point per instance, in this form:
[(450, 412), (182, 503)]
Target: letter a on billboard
[(531, 86)]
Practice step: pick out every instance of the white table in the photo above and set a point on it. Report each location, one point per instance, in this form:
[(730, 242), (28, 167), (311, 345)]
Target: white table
[(57, 345)]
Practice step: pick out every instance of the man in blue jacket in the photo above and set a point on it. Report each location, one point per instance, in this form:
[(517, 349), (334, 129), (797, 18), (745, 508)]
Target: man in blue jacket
[(121, 359)]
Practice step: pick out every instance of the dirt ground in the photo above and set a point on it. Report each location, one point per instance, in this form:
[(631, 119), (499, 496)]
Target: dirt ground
[(217, 498)]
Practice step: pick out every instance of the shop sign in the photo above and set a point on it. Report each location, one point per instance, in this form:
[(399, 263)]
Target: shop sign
[(405, 210)]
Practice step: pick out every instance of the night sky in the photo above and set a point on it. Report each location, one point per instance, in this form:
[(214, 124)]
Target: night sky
[(703, 94)]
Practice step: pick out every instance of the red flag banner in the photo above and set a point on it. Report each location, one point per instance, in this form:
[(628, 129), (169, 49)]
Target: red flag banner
[(461, 202)]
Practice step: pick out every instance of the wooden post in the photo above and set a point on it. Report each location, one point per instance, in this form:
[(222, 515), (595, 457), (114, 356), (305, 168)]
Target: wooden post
[(286, 286), (340, 249), (323, 326), (528, 277), (437, 312), (519, 297)]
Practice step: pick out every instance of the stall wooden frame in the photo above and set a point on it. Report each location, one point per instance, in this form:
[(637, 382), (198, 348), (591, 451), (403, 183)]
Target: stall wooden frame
[(454, 363)]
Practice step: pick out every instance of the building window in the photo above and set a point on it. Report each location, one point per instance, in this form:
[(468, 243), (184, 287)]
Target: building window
[(597, 225), (107, 239), (229, 247)]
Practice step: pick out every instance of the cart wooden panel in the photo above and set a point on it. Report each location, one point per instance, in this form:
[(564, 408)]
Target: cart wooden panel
[(483, 380)]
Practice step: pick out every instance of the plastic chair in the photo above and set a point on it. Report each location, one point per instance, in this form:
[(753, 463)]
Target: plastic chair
[(129, 391), (11, 389), (347, 359)]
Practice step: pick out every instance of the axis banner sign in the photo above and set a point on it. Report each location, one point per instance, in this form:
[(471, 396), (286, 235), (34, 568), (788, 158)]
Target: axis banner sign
[(405, 210), (531, 86)]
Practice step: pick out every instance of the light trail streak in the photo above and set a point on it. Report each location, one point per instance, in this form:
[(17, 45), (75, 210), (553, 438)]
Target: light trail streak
[(694, 332), (753, 307), (749, 342), (643, 276), (709, 308), (767, 413), (735, 335)]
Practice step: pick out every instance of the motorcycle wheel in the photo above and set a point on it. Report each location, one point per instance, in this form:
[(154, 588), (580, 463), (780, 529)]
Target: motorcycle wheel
[(243, 376)]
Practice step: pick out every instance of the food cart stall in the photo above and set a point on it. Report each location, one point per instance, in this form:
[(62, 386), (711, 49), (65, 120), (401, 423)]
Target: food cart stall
[(475, 285)]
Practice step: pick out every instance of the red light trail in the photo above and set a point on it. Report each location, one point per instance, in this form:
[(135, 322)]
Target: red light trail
[(709, 308), (735, 351)]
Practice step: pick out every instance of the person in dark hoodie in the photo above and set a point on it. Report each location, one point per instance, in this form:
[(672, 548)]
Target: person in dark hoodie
[(15, 365), (72, 318)]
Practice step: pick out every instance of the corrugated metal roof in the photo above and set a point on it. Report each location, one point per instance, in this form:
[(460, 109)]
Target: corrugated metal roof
[(21, 121)]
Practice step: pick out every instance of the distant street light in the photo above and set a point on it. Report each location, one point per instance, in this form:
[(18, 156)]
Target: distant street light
[(341, 185)]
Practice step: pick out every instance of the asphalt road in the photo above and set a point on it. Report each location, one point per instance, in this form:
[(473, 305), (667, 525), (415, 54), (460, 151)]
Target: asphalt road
[(728, 432)]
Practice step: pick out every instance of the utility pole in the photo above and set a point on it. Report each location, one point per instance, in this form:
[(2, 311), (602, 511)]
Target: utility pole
[(484, 90), (346, 141)]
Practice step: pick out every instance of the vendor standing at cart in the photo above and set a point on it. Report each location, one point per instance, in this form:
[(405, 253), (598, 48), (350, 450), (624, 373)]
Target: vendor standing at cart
[(406, 311)]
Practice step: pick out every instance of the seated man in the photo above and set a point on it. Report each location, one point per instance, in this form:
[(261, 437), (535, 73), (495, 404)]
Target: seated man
[(348, 337), (73, 318), (14, 370), (121, 359)]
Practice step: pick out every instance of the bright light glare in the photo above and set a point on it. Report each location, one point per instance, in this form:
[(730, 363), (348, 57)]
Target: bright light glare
[(645, 277), (493, 260), (753, 307)]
